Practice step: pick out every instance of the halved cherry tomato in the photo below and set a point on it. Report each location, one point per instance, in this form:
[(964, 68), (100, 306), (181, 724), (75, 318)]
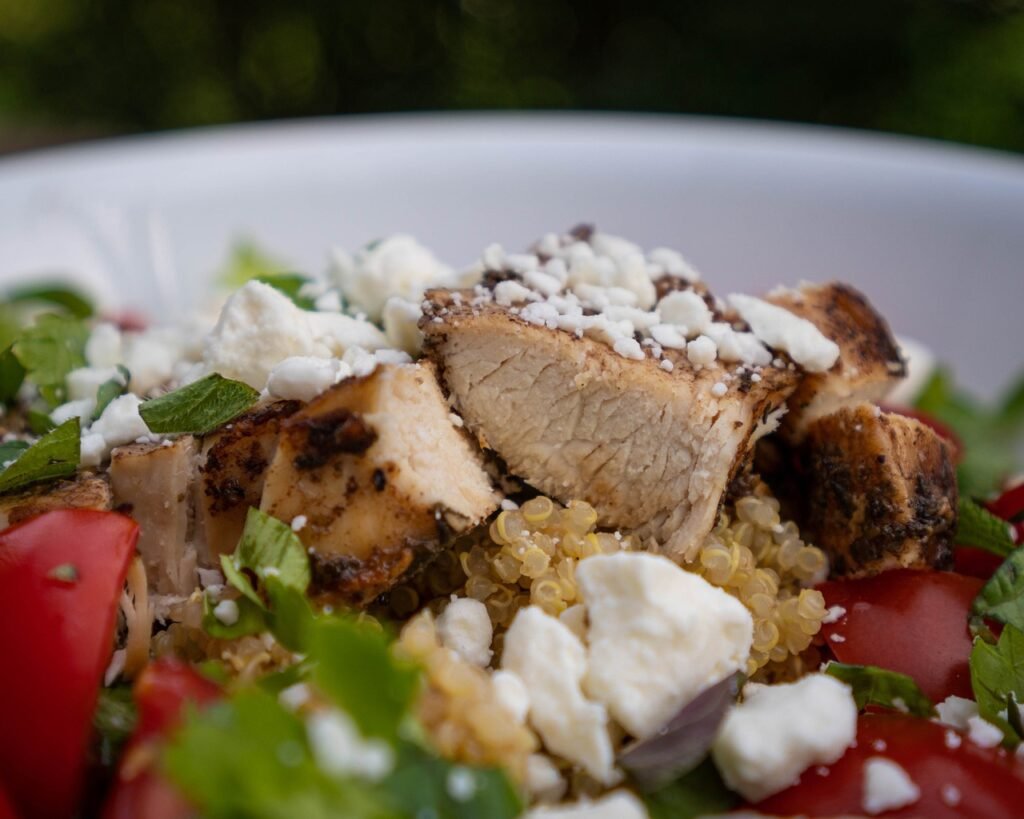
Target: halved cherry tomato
[(978, 563), (914, 622), (6, 811), (1010, 507), (61, 575), (962, 781), (161, 693), (937, 426), (975, 562)]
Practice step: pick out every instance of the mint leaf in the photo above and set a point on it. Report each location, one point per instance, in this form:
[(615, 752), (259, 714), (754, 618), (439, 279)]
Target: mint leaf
[(200, 407), (356, 668), (111, 389), (997, 678), (10, 450), (12, 375), (701, 792), (248, 261), (55, 455), (39, 422), (269, 547), (291, 616), (1002, 597), (49, 350), (978, 527), (876, 686), (57, 295), (251, 619), (290, 284)]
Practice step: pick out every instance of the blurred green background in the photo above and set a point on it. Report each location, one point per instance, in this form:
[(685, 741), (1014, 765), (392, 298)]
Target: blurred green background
[(81, 68)]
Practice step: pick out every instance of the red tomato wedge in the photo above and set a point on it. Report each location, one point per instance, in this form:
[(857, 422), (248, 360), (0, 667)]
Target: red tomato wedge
[(962, 781), (914, 622), (6, 811), (61, 575), (161, 693)]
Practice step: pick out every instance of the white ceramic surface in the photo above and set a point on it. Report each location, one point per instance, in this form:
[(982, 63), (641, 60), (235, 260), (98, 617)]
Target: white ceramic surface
[(933, 234)]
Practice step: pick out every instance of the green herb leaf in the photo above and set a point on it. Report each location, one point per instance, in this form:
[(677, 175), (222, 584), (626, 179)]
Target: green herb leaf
[(269, 547), (980, 528), (701, 792), (114, 719), (49, 350), (876, 686), (12, 376), (248, 261), (291, 617), (39, 422), (356, 668), (997, 677), (290, 284), (111, 389), (1002, 597), (55, 455), (200, 407), (10, 450), (58, 295)]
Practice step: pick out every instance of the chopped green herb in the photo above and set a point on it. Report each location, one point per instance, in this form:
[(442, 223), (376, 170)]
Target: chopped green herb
[(997, 678), (290, 284), (269, 547), (114, 719), (1002, 597), (12, 376), (876, 686), (980, 528), (39, 422), (248, 261), (10, 450), (701, 792), (111, 389), (198, 408), (54, 294), (55, 455), (49, 350)]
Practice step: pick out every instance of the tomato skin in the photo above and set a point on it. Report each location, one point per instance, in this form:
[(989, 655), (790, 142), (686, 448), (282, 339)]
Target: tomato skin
[(6, 810), (1008, 506), (990, 782), (161, 693), (905, 620), (975, 562), (57, 637)]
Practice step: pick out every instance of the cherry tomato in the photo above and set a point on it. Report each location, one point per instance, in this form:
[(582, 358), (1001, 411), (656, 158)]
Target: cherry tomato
[(161, 694), (962, 781), (936, 425), (914, 622), (61, 575), (1010, 507), (6, 811), (975, 562)]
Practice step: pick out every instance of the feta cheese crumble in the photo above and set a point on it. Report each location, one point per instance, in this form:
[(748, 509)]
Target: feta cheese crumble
[(226, 612), (119, 424), (658, 636), (887, 786), (779, 731), (983, 733), (465, 628), (616, 805), (339, 749), (783, 330), (955, 711)]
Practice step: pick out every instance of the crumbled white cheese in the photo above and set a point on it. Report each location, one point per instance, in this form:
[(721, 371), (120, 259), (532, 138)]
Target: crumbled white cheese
[(673, 263), (401, 324), (153, 356), (543, 779), (329, 302), (299, 523), (658, 636), (628, 348), (783, 330), (982, 732), (575, 617), (510, 292), (950, 794), (701, 351), (85, 381), (509, 505), (460, 783), (334, 334), (834, 614), (667, 365), (511, 693), (226, 611), (670, 336), (687, 310), (303, 378), (340, 750), (779, 731), (719, 389), (616, 805), (609, 262), (295, 696), (82, 408), (956, 711), (104, 347), (119, 424), (551, 662), (736, 346), (887, 786), (465, 627), (395, 266)]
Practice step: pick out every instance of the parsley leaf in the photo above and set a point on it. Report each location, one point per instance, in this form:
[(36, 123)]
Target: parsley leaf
[(111, 389), (55, 455), (876, 686), (1002, 597), (978, 527), (49, 350), (56, 295), (12, 375), (997, 678), (269, 547), (701, 792), (289, 284), (200, 407)]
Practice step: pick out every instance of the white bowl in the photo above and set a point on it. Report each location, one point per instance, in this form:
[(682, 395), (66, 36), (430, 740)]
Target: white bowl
[(933, 234)]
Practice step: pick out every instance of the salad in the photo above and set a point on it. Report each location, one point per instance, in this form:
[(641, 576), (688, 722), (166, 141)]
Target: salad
[(562, 534)]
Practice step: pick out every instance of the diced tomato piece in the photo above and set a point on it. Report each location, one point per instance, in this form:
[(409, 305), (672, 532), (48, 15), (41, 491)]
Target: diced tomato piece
[(975, 562), (163, 690), (61, 576), (1010, 507), (914, 622), (964, 780), (6, 810)]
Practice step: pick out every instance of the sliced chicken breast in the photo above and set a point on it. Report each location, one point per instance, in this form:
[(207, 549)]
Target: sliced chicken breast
[(153, 484), (374, 475), (869, 364), (86, 491), (233, 465), (651, 449), (880, 492)]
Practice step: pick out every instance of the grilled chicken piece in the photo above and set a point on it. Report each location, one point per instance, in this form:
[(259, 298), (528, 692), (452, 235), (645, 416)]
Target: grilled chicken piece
[(153, 484), (651, 450), (880, 492), (86, 491), (233, 465), (381, 476), (869, 364)]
